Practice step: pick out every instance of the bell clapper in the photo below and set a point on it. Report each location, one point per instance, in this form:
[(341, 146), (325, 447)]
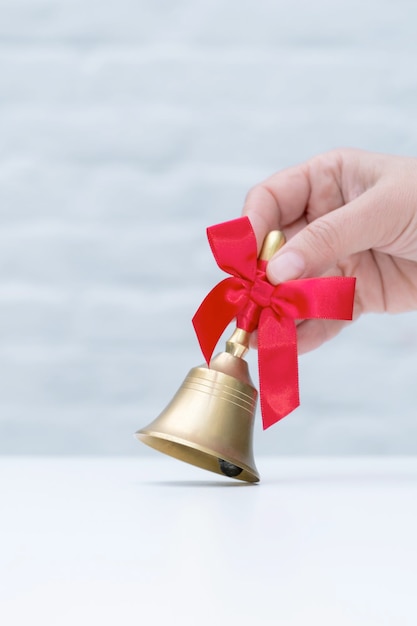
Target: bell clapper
[(228, 469)]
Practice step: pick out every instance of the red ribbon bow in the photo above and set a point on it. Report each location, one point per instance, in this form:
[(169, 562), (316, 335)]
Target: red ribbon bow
[(249, 297)]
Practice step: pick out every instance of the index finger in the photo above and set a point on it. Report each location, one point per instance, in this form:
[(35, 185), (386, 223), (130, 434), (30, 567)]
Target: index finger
[(278, 201)]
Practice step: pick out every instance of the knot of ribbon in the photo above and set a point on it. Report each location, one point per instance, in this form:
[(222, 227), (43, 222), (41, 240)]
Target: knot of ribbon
[(255, 303)]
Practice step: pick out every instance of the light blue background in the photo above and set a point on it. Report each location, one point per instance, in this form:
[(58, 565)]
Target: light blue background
[(128, 127)]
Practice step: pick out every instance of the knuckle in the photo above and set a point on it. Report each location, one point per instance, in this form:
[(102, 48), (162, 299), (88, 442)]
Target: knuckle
[(324, 237), (329, 163)]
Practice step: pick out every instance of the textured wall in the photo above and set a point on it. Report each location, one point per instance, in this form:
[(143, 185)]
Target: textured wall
[(125, 129)]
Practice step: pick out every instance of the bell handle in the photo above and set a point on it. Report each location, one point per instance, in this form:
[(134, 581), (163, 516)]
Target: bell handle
[(274, 240)]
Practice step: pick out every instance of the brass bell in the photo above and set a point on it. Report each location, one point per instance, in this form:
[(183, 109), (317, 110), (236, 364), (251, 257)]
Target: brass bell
[(209, 422)]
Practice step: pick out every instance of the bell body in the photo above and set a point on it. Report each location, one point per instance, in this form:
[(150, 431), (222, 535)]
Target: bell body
[(209, 422)]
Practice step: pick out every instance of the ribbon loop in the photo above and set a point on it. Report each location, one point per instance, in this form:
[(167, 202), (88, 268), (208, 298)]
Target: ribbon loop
[(256, 303)]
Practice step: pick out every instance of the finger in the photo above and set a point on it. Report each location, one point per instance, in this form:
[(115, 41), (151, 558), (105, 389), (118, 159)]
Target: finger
[(313, 333), (277, 202), (363, 224), (312, 188), (253, 340)]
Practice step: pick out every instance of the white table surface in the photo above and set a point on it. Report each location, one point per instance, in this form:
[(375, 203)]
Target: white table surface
[(151, 540)]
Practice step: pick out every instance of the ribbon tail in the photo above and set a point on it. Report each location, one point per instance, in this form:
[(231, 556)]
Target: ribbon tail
[(278, 367), (214, 314), (331, 297)]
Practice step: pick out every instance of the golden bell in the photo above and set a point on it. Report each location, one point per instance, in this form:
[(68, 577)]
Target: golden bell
[(209, 422)]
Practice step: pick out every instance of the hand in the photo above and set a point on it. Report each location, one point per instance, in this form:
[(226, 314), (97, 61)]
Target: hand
[(344, 213)]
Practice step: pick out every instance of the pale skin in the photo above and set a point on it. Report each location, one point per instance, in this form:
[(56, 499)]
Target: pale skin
[(344, 213)]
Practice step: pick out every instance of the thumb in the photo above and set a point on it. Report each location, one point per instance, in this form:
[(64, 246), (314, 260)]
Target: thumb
[(314, 250)]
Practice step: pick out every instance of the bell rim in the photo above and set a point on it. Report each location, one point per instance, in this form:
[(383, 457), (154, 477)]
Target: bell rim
[(252, 471)]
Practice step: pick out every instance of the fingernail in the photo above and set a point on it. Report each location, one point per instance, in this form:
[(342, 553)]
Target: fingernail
[(287, 266)]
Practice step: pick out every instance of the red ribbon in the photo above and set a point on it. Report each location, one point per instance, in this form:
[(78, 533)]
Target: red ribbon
[(256, 303)]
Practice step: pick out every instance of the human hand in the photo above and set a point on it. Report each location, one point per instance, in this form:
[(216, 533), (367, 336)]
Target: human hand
[(344, 213)]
